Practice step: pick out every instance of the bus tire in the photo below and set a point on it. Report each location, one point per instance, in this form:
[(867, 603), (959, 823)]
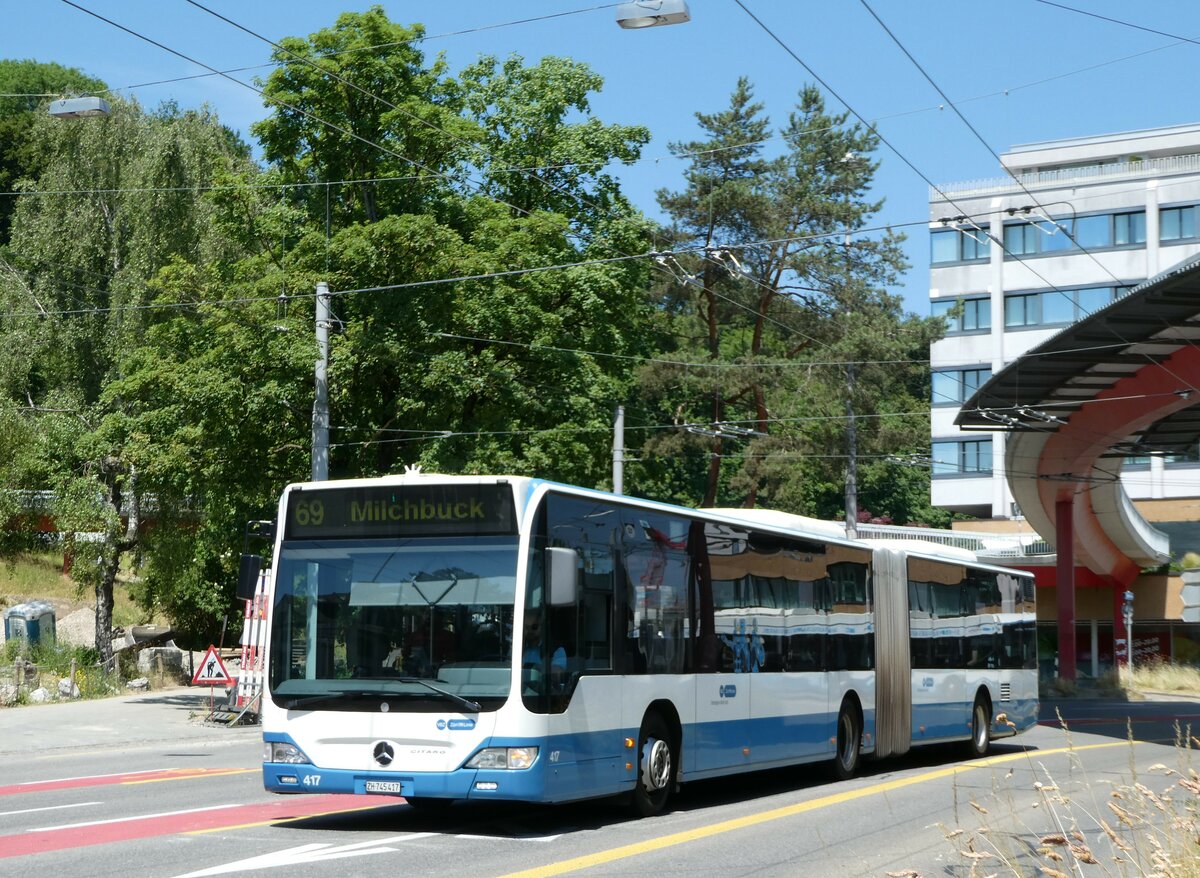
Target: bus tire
[(656, 767), (849, 741), (981, 727)]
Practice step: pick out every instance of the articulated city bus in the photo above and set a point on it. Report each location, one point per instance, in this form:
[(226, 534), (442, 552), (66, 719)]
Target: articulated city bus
[(444, 638)]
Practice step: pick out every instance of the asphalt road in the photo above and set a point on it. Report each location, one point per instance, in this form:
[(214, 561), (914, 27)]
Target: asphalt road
[(136, 786)]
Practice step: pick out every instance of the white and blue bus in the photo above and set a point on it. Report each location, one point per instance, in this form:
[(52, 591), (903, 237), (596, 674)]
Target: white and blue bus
[(443, 638)]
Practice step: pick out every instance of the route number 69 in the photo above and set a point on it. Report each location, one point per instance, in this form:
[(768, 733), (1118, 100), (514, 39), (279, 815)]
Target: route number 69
[(309, 513)]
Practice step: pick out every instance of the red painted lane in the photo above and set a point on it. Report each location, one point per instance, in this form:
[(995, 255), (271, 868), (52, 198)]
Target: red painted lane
[(77, 835), (132, 777)]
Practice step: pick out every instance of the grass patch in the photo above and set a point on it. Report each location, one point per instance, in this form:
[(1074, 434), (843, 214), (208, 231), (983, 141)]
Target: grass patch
[(35, 574), (39, 577), (1166, 677)]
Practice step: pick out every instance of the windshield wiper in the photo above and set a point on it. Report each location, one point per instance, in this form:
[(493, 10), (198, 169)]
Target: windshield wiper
[(465, 703), (312, 700)]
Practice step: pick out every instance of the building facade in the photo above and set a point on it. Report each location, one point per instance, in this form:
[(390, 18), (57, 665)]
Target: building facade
[(1074, 226), (1083, 222)]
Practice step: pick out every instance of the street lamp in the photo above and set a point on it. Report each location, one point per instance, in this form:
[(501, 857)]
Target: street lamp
[(78, 108), (1127, 614), (652, 13)]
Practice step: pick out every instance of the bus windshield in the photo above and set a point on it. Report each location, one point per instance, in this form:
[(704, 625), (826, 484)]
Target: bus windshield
[(426, 622)]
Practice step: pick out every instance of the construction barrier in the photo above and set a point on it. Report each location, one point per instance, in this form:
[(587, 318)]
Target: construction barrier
[(250, 676)]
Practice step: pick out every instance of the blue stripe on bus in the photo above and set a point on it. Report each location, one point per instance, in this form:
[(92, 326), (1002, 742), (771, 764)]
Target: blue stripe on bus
[(593, 764), (948, 721)]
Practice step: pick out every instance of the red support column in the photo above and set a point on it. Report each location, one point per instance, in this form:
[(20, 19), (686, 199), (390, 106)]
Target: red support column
[(1064, 539)]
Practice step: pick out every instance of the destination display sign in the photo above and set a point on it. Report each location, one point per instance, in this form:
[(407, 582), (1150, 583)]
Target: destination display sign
[(381, 511)]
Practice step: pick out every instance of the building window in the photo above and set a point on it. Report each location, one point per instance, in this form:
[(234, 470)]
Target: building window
[(1023, 310), (1057, 307), (1191, 456), (974, 315), (1093, 299), (1029, 239), (1177, 223), (1129, 228), (956, 386), (1088, 232), (1021, 239), (968, 457), (958, 245)]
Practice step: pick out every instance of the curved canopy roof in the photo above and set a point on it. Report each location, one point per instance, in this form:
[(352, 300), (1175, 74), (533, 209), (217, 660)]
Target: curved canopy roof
[(1122, 381)]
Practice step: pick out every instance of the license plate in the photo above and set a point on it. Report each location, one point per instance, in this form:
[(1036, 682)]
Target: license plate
[(383, 786)]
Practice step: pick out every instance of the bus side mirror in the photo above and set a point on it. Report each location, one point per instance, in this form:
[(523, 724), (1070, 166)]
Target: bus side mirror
[(562, 573), (248, 573)]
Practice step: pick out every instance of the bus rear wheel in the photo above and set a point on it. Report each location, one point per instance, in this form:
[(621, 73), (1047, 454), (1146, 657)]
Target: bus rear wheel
[(849, 740), (655, 768), (981, 728)]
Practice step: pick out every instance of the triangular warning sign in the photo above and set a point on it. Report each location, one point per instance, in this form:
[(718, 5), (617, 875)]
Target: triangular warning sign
[(212, 671)]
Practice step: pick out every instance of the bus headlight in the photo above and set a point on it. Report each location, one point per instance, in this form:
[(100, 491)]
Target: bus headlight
[(515, 758), (279, 751)]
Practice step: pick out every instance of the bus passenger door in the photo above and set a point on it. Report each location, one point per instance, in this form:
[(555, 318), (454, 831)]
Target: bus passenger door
[(722, 730)]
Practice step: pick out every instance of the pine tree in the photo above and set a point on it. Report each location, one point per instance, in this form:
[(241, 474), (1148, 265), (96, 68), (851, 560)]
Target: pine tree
[(781, 292)]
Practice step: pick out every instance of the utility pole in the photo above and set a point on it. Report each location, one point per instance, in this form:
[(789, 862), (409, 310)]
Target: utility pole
[(851, 458), (320, 416), (851, 424), (619, 452)]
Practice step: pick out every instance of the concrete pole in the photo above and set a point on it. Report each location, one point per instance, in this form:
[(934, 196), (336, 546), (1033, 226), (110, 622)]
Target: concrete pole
[(619, 451), (320, 417)]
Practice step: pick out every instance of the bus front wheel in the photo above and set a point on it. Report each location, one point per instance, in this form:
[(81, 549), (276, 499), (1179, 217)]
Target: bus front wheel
[(656, 767), (849, 740)]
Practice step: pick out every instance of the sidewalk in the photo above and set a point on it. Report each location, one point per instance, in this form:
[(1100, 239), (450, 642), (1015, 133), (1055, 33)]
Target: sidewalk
[(175, 714)]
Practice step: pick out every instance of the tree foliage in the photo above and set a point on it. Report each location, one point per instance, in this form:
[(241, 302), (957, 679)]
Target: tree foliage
[(26, 86), (118, 200), (794, 335), (492, 299)]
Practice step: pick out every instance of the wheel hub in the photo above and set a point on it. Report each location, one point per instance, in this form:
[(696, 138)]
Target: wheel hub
[(656, 764)]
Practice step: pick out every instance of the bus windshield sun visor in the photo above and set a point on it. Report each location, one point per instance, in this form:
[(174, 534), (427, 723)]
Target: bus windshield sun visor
[(353, 694)]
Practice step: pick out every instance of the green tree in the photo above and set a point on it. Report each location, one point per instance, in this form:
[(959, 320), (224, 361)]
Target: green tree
[(117, 200), (217, 395), (784, 299), (29, 85), (504, 372), (354, 107), (539, 147)]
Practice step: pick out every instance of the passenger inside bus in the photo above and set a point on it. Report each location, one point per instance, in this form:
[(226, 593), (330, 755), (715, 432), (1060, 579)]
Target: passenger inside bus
[(532, 656)]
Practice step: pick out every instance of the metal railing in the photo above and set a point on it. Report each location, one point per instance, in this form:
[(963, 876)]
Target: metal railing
[(985, 545), (1178, 164)]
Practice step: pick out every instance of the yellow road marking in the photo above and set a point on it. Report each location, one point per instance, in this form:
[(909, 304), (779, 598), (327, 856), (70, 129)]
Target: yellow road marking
[(666, 841), (192, 773)]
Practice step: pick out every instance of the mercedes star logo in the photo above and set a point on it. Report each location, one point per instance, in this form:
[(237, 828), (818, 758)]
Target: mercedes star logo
[(384, 754)]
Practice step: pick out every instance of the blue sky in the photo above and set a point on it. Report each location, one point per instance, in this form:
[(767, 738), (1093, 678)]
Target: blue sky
[(1022, 71)]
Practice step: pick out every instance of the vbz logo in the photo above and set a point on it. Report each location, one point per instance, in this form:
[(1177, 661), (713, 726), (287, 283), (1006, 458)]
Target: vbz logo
[(728, 691)]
